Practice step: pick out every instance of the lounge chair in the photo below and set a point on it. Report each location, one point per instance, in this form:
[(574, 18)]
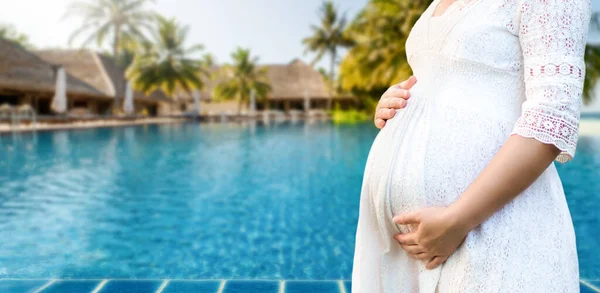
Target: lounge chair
[(26, 112), (6, 112), (79, 113), (294, 114)]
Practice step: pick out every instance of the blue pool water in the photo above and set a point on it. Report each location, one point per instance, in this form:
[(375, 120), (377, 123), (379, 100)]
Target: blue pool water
[(189, 201)]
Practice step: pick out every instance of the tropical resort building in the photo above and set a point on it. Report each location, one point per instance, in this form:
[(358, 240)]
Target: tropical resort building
[(295, 82), (296, 86), (29, 83), (104, 75), (91, 86)]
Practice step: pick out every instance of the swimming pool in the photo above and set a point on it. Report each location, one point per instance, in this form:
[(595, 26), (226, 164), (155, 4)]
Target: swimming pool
[(208, 201)]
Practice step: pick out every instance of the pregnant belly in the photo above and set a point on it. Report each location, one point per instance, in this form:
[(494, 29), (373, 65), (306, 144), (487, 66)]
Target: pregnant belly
[(428, 154)]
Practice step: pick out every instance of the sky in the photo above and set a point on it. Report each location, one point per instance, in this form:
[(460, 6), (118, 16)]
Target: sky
[(272, 29)]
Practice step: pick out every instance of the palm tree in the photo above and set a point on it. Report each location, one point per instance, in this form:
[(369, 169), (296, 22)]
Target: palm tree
[(10, 33), (329, 37), (592, 68), (119, 19), (208, 60), (166, 63), (592, 63), (241, 78), (378, 59)]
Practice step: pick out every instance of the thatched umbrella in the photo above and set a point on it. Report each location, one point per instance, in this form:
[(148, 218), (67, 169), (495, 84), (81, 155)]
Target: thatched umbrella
[(252, 102), (128, 103), (197, 101), (306, 100), (59, 102)]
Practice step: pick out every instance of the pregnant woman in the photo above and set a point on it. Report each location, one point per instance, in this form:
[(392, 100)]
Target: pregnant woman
[(460, 193)]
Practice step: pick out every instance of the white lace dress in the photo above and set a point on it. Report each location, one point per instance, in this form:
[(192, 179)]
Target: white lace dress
[(486, 69)]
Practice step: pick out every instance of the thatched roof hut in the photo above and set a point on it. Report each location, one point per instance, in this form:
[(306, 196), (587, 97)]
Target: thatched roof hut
[(292, 80), (23, 71), (98, 70), (288, 82)]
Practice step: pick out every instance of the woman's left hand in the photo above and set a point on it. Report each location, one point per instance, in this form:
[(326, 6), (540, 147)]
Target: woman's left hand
[(439, 232)]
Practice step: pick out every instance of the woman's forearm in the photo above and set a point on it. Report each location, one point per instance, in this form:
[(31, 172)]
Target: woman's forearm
[(513, 169)]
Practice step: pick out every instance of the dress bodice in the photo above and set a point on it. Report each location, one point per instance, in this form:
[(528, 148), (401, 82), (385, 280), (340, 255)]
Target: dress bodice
[(538, 43)]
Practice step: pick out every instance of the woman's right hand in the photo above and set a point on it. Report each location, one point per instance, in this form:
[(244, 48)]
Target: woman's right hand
[(394, 98)]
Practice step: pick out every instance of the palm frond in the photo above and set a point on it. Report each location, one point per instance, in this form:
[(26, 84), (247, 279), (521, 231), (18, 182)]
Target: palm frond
[(376, 38), (328, 36), (119, 19), (241, 78), (165, 63)]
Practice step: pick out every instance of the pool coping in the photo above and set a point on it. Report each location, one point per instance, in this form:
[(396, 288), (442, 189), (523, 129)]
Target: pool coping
[(585, 283)]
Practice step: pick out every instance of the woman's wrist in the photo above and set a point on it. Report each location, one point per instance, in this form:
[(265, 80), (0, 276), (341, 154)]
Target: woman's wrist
[(461, 217)]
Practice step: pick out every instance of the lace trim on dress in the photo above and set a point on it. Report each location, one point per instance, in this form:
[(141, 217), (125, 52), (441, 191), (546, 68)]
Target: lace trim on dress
[(553, 37), (548, 128), (563, 69)]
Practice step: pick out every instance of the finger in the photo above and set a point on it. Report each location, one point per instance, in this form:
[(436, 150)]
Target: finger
[(422, 256), (396, 92), (409, 83), (395, 103), (406, 239), (407, 218), (435, 262), (412, 248), (385, 113), (379, 123)]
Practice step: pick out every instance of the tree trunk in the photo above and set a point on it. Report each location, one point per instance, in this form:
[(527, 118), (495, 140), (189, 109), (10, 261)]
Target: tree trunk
[(115, 49), (331, 79), (116, 42)]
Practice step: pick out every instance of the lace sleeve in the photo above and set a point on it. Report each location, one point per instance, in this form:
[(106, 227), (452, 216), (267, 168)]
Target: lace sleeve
[(553, 35)]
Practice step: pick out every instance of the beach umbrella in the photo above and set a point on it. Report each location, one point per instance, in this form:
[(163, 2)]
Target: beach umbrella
[(128, 104), (252, 102), (59, 102), (197, 101), (306, 100)]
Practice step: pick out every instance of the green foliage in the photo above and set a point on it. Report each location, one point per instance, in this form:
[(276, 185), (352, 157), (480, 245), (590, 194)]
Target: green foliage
[(328, 37), (208, 60), (350, 116), (166, 63), (592, 65), (241, 78), (378, 58), (10, 33), (122, 20)]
